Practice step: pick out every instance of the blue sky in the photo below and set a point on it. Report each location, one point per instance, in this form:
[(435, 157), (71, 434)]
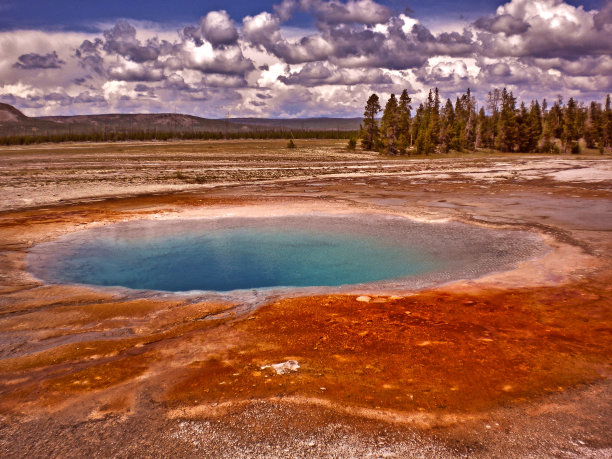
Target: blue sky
[(85, 14), (294, 58)]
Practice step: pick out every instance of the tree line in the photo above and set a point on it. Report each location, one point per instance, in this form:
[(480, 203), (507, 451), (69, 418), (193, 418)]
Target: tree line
[(439, 127), (142, 135)]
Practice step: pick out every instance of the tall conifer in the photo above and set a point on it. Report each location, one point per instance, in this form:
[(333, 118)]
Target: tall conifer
[(370, 124)]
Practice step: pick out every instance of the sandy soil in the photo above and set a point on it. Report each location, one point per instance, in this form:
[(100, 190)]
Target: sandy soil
[(514, 364)]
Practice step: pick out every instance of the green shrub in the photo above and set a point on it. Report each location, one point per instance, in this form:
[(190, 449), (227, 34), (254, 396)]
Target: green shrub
[(575, 148), (549, 147)]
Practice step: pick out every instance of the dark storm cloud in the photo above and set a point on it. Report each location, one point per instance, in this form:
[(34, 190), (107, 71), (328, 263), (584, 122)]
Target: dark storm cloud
[(39, 61)]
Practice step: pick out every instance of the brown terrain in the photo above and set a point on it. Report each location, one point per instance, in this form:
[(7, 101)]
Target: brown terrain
[(513, 364), (14, 123)]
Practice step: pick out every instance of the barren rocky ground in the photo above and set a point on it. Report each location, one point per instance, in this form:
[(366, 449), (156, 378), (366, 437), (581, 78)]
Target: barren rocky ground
[(514, 364)]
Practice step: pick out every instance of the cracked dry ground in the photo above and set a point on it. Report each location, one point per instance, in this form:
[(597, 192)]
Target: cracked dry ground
[(514, 365)]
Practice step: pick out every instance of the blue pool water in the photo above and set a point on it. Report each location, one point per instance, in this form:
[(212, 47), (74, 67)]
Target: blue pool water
[(240, 258), (249, 253)]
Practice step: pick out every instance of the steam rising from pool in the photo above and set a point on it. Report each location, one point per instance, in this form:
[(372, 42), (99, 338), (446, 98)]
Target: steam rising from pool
[(228, 254)]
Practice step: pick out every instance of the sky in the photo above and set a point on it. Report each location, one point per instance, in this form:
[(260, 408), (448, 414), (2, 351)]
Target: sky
[(294, 58)]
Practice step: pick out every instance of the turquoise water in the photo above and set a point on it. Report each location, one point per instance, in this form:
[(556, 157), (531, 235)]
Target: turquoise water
[(229, 254), (239, 258)]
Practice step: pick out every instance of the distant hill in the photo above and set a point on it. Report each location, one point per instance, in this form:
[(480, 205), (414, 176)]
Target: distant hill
[(15, 123), (160, 121), (9, 114)]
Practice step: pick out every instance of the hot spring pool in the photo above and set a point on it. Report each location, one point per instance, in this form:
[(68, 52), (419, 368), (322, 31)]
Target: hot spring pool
[(228, 254)]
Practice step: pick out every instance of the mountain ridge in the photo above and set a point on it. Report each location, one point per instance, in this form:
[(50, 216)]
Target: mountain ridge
[(14, 122)]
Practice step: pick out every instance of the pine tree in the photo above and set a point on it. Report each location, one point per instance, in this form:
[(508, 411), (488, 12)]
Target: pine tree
[(447, 121), (483, 134), (434, 120), (493, 105), (507, 127), (607, 123), (570, 127), (529, 128), (469, 123), (422, 128), (389, 126), (534, 126), (522, 120), (593, 127), (404, 110), (370, 124), (555, 118)]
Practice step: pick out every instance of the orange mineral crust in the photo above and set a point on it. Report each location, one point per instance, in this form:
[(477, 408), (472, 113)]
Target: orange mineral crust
[(435, 350), (513, 364)]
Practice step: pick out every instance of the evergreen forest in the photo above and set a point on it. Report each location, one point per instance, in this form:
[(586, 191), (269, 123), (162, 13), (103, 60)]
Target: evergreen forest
[(440, 127)]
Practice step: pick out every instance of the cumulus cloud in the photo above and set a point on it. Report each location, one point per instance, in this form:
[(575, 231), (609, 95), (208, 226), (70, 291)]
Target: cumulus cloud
[(142, 88), (121, 39), (334, 12), (504, 23), (262, 30), (545, 29), (583, 66), (131, 71), (177, 82), (354, 11), (207, 59), (88, 54), (39, 61), (260, 66), (603, 17), (88, 98), (120, 55), (218, 28), (318, 73), (342, 45)]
